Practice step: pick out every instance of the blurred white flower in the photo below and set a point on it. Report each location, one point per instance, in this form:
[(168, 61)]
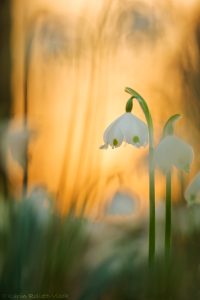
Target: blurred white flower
[(40, 203), (192, 193), (53, 37), (15, 139), (121, 205), (126, 128), (172, 151)]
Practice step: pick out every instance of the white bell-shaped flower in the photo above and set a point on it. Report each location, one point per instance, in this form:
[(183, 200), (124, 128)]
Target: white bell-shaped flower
[(172, 151), (15, 139), (40, 202), (121, 205), (192, 193), (126, 128)]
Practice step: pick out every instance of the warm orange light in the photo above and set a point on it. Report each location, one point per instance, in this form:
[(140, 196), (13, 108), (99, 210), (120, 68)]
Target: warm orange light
[(73, 99)]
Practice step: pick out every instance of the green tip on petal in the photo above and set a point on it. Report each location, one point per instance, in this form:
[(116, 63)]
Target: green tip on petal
[(115, 142), (129, 105), (136, 139)]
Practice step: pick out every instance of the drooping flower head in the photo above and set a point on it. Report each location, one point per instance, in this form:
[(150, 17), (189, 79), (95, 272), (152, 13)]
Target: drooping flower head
[(15, 139), (173, 151), (127, 128), (192, 193), (122, 204), (132, 130)]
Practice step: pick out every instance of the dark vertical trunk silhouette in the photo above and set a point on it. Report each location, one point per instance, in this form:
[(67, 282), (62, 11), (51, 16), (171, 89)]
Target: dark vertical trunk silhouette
[(5, 78)]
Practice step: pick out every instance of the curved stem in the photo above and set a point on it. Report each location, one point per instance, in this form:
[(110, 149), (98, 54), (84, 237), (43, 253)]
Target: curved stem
[(168, 128), (152, 233), (168, 217)]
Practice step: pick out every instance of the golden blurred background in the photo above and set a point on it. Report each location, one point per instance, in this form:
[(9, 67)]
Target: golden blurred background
[(81, 55)]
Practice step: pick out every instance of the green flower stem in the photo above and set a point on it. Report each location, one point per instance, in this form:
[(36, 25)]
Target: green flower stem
[(152, 215), (168, 217), (26, 108), (152, 232), (27, 62), (168, 130)]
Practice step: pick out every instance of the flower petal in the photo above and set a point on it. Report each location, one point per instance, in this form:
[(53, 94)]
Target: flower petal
[(173, 151), (113, 136), (108, 129), (103, 146), (126, 128), (192, 193), (133, 127), (121, 205), (15, 140)]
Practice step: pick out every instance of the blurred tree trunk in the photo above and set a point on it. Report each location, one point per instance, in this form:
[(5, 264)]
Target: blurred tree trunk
[(5, 78)]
